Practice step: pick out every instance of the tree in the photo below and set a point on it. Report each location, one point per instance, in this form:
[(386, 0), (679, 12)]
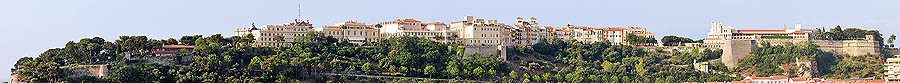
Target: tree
[(672, 40), (639, 40), (513, 75), (189, 40), (891, 40), (430, 71)]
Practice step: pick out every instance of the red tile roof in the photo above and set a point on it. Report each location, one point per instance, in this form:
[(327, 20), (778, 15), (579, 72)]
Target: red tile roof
[(332, 26), (614, 29), (770, 77), (176, 46), (410, 20), (434, 23), (762, 30)]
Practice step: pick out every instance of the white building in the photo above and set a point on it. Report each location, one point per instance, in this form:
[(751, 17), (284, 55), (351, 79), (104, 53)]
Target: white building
[(352, 31), (525, 32), (892, 69), (266, 35), (412, 27), (479, 32), (719, 33)]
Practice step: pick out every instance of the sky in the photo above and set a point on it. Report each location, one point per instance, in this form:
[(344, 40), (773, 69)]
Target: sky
[(29, 27)]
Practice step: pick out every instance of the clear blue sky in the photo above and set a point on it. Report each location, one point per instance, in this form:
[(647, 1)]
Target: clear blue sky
[(33, 26)]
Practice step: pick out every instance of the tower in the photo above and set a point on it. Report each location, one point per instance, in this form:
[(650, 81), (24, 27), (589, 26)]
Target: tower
[(533, 20)]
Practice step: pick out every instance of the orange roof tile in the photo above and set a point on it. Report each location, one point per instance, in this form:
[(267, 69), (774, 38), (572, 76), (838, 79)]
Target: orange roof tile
[(411, 20), (614, 29), (434, 23), (332, 26), (762, 30)]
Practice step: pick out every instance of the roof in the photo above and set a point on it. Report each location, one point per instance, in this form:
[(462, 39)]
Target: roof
[(433, 23), (175, 47), (332, 26), (614, 29), (854, 81), (750, 78), (762, 30), (410, 20), (773, 33)]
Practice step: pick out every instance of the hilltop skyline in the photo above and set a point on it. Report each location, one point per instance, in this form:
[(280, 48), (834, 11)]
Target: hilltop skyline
[(35, 26)]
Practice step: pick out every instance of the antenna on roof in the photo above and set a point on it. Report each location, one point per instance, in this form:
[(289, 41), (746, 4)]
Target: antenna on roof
[(299, 10)]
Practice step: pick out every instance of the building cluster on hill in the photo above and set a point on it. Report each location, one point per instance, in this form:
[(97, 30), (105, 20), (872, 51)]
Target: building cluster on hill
[(738, 43), (480, 36)]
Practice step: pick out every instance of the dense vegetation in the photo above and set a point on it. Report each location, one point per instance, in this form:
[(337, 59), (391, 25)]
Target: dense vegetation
[(769, 60), (672, 40), (235, 59), (573, 61), (639, 40), (838, 33)]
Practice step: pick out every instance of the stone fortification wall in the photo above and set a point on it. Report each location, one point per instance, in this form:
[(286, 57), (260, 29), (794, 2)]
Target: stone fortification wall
[(849, 47), (98, 71), (734, 50), (494, 51)]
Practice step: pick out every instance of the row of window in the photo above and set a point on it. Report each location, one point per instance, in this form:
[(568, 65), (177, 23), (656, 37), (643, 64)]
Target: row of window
[(484, 41)]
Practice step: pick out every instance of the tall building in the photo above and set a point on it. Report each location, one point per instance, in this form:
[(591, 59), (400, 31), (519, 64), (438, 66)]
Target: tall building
[(892, 69), (479, 32), (352, 31), (268, 34), (525, 32)]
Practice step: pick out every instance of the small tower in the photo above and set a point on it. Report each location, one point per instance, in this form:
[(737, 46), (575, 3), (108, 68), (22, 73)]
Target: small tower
[(533, 20), (519, 20)]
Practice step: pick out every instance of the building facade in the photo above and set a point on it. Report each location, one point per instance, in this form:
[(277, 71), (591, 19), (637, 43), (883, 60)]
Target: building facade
[(412, 27), (479, 32), (892, 69), (268, 35), (352, 31)]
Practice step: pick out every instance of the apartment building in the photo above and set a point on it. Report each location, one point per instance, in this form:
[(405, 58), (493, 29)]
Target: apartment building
[(267, 35), (892, 69), (526, 32), (412, 27), (479, 32), (352, 31)]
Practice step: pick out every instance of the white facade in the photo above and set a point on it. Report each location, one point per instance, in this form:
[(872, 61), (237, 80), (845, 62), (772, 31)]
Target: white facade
[(265, 36), (718, 33), (892, 69), (352, 31), (412, 27), (479, 32)]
